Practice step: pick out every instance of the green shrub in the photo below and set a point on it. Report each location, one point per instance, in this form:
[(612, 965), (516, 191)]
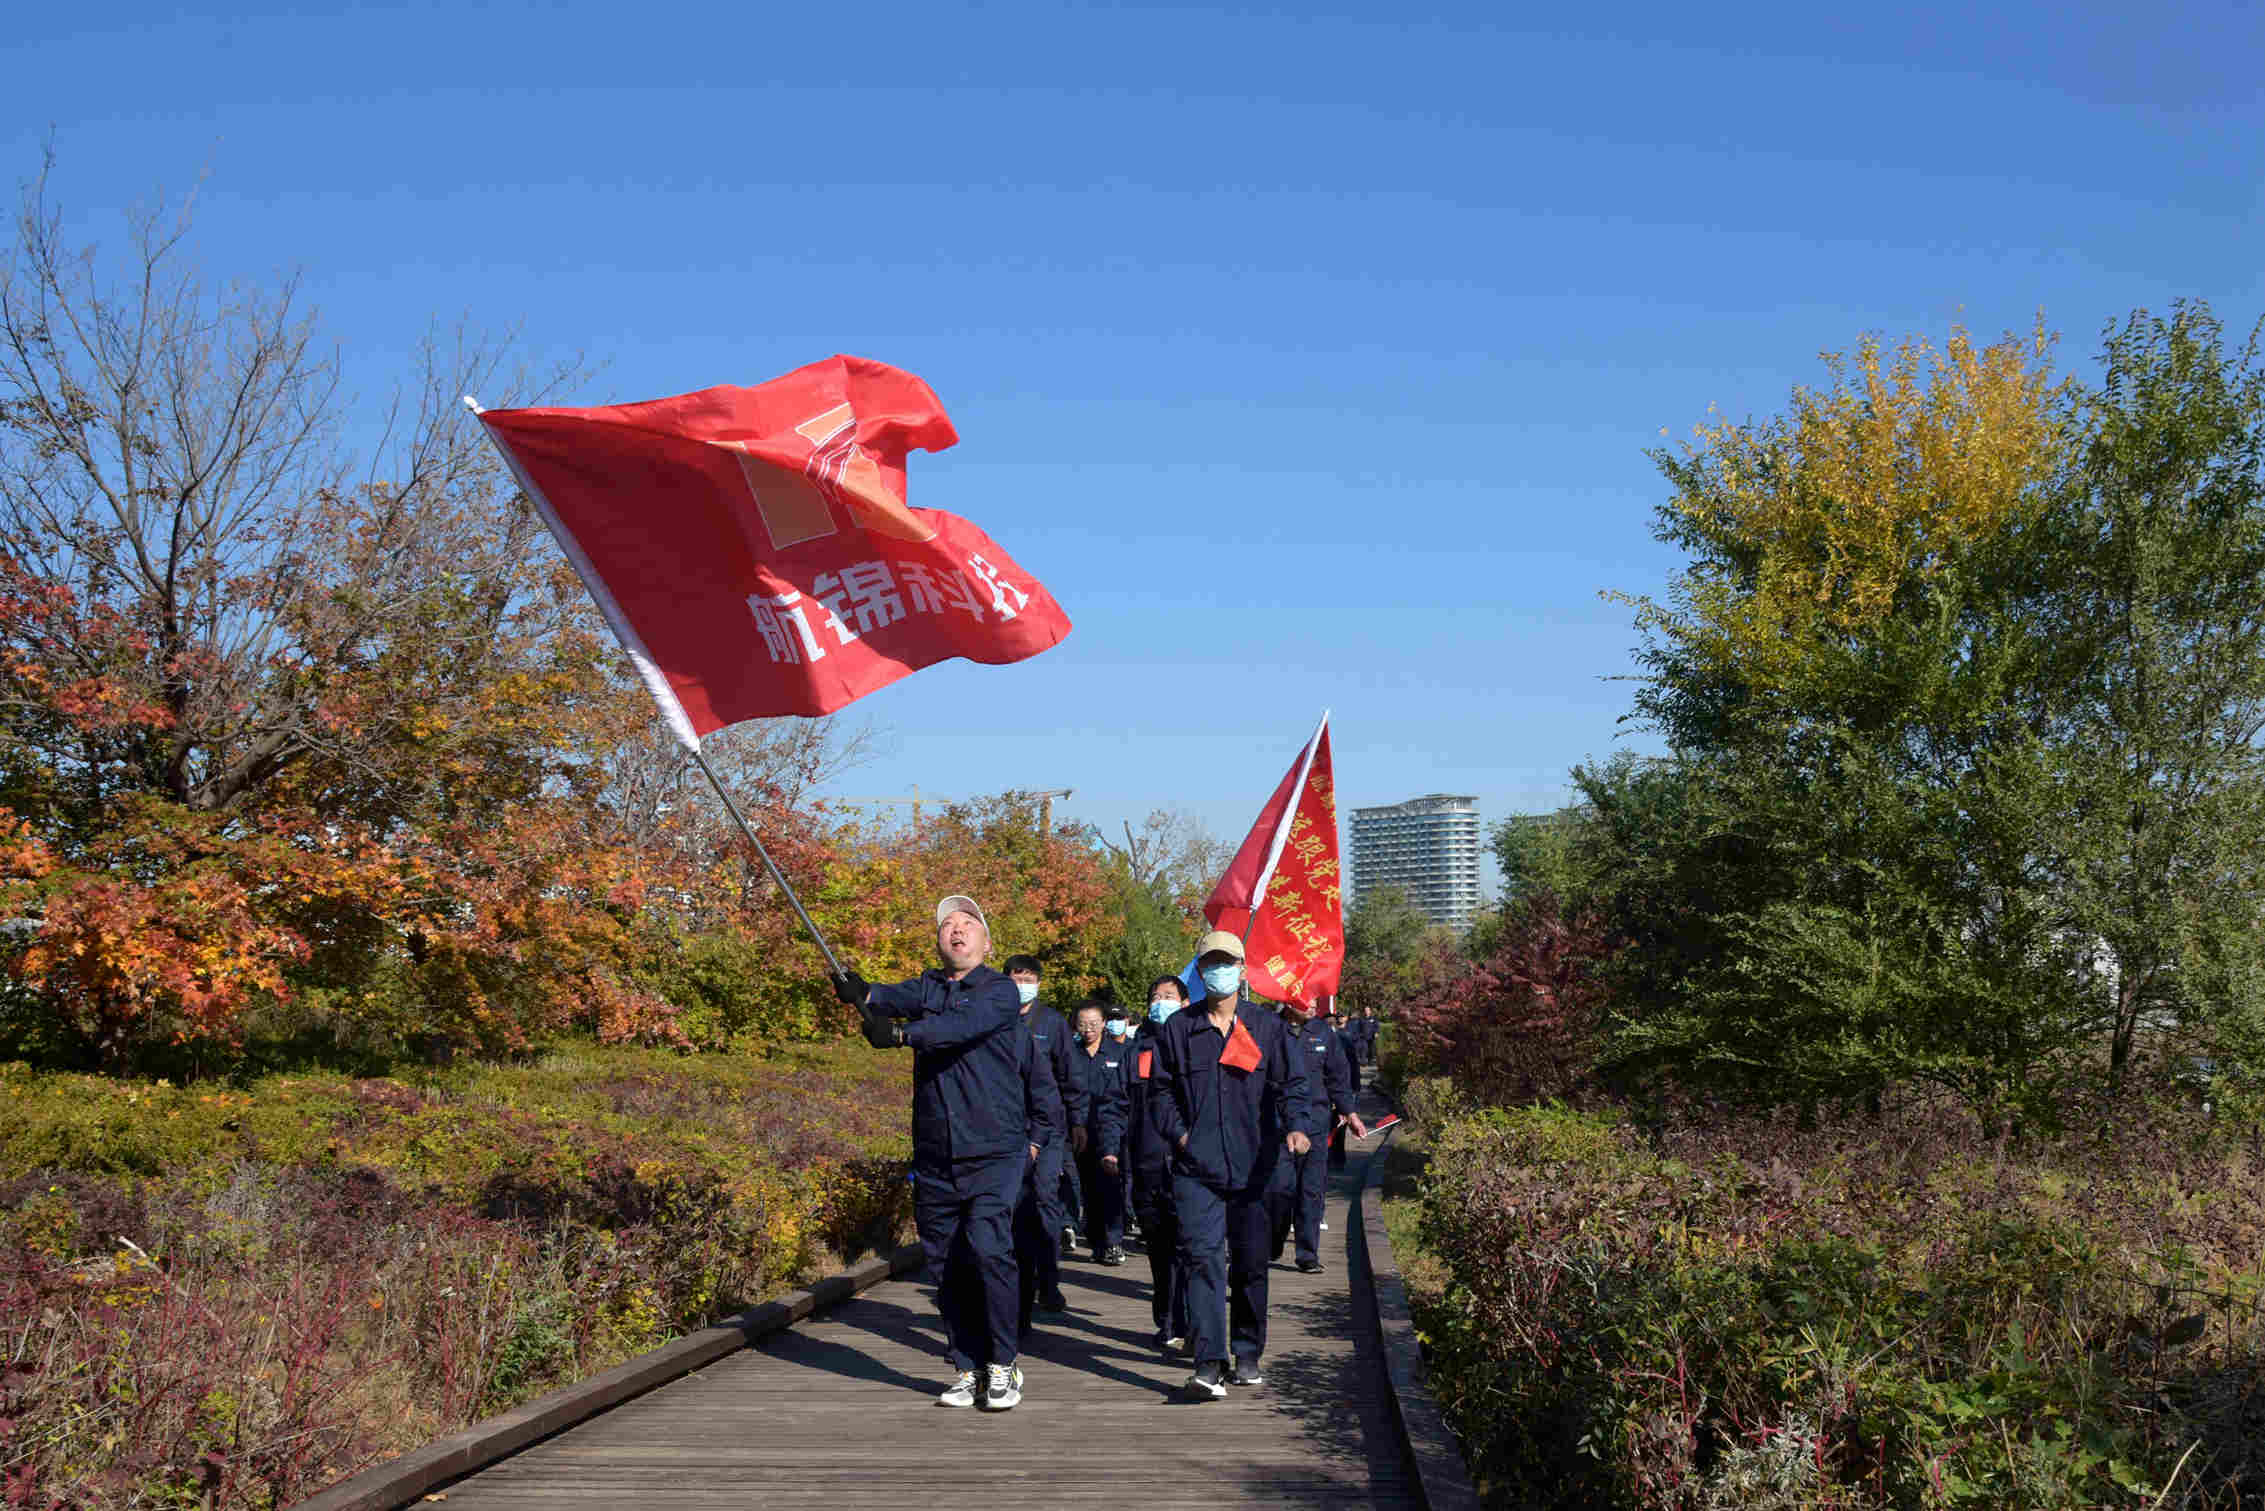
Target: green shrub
[(1893, 1314)]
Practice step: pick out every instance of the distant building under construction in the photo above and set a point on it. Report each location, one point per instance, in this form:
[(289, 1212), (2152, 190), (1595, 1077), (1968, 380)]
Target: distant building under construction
[(1428, 847)]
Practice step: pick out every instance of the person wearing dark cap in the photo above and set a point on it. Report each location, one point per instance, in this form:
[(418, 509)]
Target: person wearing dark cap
[(1097, 1063), (1233, 1101), (973, 1117), (1039, 1216), (1301, 1180), (1150, 1156)]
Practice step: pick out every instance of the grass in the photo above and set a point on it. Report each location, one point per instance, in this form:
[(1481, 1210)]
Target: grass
[(231, 1295)]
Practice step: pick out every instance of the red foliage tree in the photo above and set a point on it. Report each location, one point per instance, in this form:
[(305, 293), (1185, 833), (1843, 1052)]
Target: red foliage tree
[(1521, 1024)]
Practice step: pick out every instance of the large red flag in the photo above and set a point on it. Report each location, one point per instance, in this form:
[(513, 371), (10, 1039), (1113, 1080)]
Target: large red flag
[(1283, 891), (753, 548)]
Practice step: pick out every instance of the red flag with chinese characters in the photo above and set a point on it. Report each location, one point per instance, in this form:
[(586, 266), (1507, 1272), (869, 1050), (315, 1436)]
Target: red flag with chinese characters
[(1283, 890), (753, 548)]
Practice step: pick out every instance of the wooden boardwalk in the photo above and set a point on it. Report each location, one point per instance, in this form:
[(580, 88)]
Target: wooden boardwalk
[(838, 1412)]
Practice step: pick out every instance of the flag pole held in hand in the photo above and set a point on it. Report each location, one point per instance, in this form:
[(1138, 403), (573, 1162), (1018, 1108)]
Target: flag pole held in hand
[(833, 966)]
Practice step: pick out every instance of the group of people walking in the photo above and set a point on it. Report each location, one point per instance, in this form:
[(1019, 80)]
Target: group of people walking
[(1210, 1124)]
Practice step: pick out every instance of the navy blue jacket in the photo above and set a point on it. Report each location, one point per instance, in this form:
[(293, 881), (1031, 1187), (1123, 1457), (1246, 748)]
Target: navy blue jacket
[(1145, 1143), (1101, 1079), (1055, 1041), (1041, 1098), (1329, 1071), (969, 1099), (1234, 1120)]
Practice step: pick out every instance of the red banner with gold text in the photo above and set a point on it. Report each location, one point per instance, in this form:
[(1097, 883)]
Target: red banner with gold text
[(1294, 949)]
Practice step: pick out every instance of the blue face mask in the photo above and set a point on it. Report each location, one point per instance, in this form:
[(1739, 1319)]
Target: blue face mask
[(1028, 991), (1118, 1028), (1222, 979), (1162, 1008)]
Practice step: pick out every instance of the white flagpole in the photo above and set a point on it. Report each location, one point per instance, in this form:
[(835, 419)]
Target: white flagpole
[(648, 671), (1289, 815)]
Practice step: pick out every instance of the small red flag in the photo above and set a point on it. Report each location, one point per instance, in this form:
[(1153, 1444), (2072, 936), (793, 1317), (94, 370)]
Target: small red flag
[(1147, 1058), (753, 547), (1241, 1049), (1284, 891)]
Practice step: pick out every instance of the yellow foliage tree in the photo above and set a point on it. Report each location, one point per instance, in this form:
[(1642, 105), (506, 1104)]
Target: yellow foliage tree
[(1803, 529)]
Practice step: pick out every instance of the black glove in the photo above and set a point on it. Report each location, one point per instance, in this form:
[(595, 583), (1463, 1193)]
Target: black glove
[(851, 988), (881, 1030)]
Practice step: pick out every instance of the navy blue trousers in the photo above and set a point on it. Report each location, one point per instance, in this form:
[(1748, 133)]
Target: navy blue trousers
[(1038, 1231), (1104, 1201), (1223, 1240), (965, 1214), (1167, 1267), (1301, 1182)]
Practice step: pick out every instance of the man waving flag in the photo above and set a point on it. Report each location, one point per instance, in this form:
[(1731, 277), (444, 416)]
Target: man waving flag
[(753, 547)]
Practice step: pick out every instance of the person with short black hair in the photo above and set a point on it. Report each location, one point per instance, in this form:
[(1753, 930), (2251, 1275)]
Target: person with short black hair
[(1295, 1201), (1150, 1156), (1039, 1216), (1119, 1026), (1097, 1064)]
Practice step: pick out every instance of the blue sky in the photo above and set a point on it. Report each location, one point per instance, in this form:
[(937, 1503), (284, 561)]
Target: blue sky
[(1310, 357)]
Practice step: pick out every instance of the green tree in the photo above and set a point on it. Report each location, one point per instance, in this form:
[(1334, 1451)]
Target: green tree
[(1865, 672), (2164, 541), (1385, 937)]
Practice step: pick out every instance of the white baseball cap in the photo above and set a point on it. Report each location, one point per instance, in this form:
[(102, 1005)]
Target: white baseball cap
[(961, 903)]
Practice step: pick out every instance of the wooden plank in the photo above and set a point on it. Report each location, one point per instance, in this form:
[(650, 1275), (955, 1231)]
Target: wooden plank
[(403, 1480)]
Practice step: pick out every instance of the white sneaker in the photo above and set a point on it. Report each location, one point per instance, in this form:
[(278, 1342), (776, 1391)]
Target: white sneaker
[(1004, 1390), (1325, 1227), (962, 1392), (1205, 1384), (1175, 1345)]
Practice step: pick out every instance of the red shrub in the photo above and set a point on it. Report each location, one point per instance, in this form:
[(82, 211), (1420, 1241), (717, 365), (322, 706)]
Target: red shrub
[(1520, 1024)]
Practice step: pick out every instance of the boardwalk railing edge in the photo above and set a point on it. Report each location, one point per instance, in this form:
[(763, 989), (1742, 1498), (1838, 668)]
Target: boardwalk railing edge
[(1434, 1455), (400, 1481)]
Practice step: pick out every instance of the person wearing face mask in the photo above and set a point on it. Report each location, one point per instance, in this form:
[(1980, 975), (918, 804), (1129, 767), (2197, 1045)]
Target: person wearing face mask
[(1097, 1063), (1118, 1026), (1039, 1216), (974, 1119), (1149, 1154), (1295, 1201), (1233, 1101)]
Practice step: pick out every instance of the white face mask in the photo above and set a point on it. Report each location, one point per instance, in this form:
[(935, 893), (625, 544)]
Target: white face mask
[(1028, 991)]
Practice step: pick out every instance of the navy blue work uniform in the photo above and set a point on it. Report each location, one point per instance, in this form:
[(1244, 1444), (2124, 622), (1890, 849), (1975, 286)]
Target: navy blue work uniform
[(1301, 1180), (1039, 1216), (971, 1124), (1101, 1076), (1148, 1155), (1233, 1121)]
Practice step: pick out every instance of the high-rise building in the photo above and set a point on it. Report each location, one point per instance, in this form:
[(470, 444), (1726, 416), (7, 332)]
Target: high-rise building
[(1428, 847)]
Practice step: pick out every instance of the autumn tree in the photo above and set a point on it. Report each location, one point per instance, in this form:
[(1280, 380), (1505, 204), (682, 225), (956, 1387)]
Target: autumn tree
[(1862, 674), (1963, 683), (247, 684)]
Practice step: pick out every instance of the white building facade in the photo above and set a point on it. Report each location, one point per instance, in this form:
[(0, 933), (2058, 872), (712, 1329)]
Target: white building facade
[(1428, 847)]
